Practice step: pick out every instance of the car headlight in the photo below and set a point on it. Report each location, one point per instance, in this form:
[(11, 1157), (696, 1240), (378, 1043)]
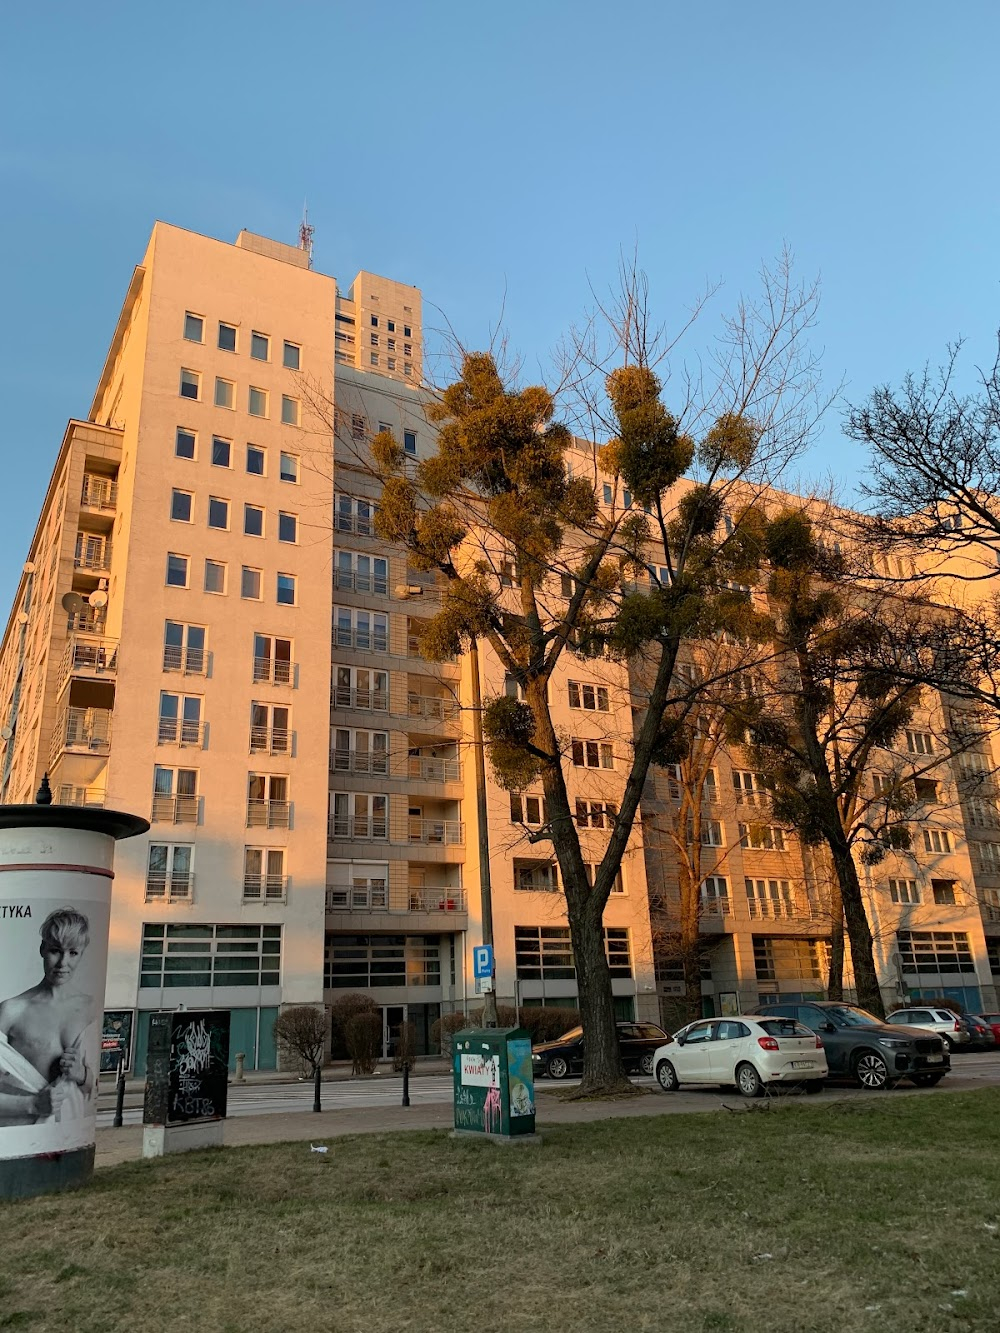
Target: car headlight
[(895, 1042)]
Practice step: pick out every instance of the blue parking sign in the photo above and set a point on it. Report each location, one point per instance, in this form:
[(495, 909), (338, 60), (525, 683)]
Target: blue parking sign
[(482, 960)]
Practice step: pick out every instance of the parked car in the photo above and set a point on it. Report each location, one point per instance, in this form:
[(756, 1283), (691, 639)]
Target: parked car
[(981, 1035), (560, 1058), (994, 1022), (944, 1022), (747, 1051), (861, 1047)]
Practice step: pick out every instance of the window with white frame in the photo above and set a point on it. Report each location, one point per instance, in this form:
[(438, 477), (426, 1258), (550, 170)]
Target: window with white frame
[(588, 696), (360, 687), (194, 328), (184, 648), (356, 628), (937, 840), (291, 356), (185, 442), (264, 878), (222, 451), (253, 521), (290, 410), (180, 719), (251, 584), (593, 754), (269, 729), (594, 814), (288, 527), (934, 951), (351, 514), (590, 869), (988, 855), (904, 891), (289, 468), (714, 895), (712, 833), (190, 385), (359, 751), (256, 401), (268, 805), (215, 576), (749, 787), (762, 837), (526, 808), (227, 337), (169, 876), (285, 593), (175, 795), (536, 876), (360, 573), (919, 742), (260, 346), (256, 458), (770, 899), (357, 886), (359, 815), (982, 813), (181, 506), (177, 570), (218, 513), (225, 393)]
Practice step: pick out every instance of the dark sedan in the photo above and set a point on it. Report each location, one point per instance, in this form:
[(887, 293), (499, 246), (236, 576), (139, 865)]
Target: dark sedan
[(980, 1032), (560, 1058)]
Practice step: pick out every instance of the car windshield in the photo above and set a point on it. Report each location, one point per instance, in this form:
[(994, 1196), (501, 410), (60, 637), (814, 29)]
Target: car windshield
[(848, 1016), (571, 1034)]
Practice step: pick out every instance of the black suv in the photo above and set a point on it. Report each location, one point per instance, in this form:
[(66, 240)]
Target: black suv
[(860, 1046)]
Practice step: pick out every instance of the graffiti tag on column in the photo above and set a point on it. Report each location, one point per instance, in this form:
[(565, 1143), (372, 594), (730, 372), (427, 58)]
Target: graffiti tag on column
[(192, 1062), (491, 1112)]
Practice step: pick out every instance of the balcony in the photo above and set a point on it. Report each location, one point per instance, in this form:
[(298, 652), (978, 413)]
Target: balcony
[(174, 809), (370, 896), (775, 909), (91, 798), (82, 729), (268, 814), (176, 888), (92, 555), (273, 671), (437, 900), (265, 888), (270, 740), (90, 620), (372, 701), (444, 832), (360, 828), (427, 769), (90, 658), (177, 731), (362, 525), (98, 492), (188, 661), (351, 580), (375, 639), (434, 707), (360, 761), (715, 907)]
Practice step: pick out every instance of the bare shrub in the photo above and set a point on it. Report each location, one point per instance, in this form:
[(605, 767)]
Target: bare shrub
[(342, 1010), (301, 1032), (363, 1034), (405, 1048)]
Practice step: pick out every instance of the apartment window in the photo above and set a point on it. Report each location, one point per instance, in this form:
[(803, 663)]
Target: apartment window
[(184, 648), (353, 628), (407, 369), (593, 754), (390, 362), (264, 875), (770, 899), (374, 339), (250, 584), (919, 742), (359, 962), (180, 719), (168, 872), (359, 815), (359, 426), (937, 840), (594, 814), (360, 573), (607, 493), (289, 467), (194, 328), (196, 956), (255, 460), (926, 789), (253, 521), (407, 349), (358, 687), (269, 728), (406, 331), (222, 451), (190, 384), (883, 784), (410, 442), (227, 337), (215, 576), (267, 801), (272, 659), (982, 813), (536, 876), (712, 833), (218, 513), (944, 892), (590, 697), (527, 809), (175, 795), (391, 344), (288, 528), (543, 953), (374, 321), (374, 358), (177, 571), (285, 594), (934, 951), (260, 347), (780, 959), (184, 445), (714, 894), (391, 326), (904, 891), (225, 393), (590, 870), (989, 857), (762, 838), (257, 402), (180, 506), (291, 356), (749, 787), (360, 751)]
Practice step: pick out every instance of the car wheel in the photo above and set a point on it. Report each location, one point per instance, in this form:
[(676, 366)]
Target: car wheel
[(666, 1076), (646, 1063), (748, 1081), (815, 1085), (871, 1071), (928, 1080), (556, 1066)]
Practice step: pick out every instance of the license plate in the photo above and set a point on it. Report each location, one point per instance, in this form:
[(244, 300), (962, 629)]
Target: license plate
[(935, 1059), (802, 1064)]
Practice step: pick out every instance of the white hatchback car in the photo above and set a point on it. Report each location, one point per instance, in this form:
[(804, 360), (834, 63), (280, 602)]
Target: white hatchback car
[(748, 1052)]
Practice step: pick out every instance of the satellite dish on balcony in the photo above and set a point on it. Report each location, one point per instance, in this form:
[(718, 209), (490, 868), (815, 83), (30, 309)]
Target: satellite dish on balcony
[(73, 603), (28, 567), (98, 599), (6, 732), (22, 617)]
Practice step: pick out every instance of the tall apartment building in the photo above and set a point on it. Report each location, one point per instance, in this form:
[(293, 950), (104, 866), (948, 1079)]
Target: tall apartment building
[(207, 632)]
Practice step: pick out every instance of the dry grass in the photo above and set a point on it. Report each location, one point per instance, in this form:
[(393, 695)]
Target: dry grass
[(867, 1215)]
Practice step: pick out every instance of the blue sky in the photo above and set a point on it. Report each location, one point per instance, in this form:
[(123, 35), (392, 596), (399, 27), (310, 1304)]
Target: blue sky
[(500, 156)]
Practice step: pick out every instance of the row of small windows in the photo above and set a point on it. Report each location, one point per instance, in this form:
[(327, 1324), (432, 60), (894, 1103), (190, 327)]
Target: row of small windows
[(258, 400), (182, 511), (216, 579), (390, 326), (186, 446), (226, 341)]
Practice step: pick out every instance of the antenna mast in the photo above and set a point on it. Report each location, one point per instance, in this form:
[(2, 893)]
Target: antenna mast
[(306, 235)]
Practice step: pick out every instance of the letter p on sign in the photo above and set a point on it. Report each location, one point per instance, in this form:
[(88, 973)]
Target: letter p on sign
[(482, 961)]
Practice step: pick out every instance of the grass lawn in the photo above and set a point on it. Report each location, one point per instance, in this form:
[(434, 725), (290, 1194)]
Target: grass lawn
[(878, 1214)]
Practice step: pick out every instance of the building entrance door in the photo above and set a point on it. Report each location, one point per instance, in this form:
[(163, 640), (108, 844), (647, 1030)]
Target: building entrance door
[(393, 1018)]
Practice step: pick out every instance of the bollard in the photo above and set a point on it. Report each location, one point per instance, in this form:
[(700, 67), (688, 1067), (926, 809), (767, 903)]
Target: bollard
[(120, 1093), (406, 1082), (240, 1058), (317, 1076)]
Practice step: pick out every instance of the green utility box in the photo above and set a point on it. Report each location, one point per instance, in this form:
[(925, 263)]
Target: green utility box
[(494, 1084)]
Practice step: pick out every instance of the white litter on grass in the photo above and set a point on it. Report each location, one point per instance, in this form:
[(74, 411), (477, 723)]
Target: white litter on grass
[(962, 1292), (872, 1309), (321, 1148), (759, 1258), (990, 1226)]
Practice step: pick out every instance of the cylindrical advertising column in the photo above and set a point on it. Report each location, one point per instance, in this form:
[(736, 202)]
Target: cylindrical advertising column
[(55, 906)]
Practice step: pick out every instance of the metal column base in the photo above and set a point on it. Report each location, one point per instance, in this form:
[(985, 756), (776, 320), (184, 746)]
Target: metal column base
[(24, 1177)]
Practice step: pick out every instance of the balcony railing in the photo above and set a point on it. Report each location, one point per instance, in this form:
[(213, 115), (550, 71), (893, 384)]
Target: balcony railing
[(760, 800), (265, 888), (352, 580), (98, 492), (360, 525), (90, 657), (175, 809), (448, 832), (268, 814), (91, 797), (94, 556), (270, 740), (774, 909), (362, 828), (434, 770), (176, 731), (432, 706), (715, 907), (370, 897), (373, 701), (177, 888), (437, 900), (274, 671), (88, 621), (189, 661), (86, 729), (360, 761), (373, 640)]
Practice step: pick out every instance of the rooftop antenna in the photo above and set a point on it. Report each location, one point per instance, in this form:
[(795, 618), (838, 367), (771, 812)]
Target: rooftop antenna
[(306, 234)]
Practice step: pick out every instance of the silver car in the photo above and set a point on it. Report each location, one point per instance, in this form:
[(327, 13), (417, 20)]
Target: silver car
[(942, 1021)]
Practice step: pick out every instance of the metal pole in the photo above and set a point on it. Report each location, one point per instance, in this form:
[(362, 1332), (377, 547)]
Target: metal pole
[(406, 1082), (317, 1076), (485, 889), (120, 1090)]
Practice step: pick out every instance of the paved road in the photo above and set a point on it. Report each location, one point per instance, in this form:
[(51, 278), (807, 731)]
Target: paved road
[(967, 1072)]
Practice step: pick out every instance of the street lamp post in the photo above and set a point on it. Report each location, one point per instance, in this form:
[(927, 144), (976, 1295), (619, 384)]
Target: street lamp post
[(482, 826)]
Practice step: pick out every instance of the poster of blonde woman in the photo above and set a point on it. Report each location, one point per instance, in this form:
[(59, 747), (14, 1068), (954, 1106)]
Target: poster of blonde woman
[(52, 970)]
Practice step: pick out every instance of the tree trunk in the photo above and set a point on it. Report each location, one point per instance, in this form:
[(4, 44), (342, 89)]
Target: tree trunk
[(603, 1071), (858, 929), (835, 981), (690, 941)]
